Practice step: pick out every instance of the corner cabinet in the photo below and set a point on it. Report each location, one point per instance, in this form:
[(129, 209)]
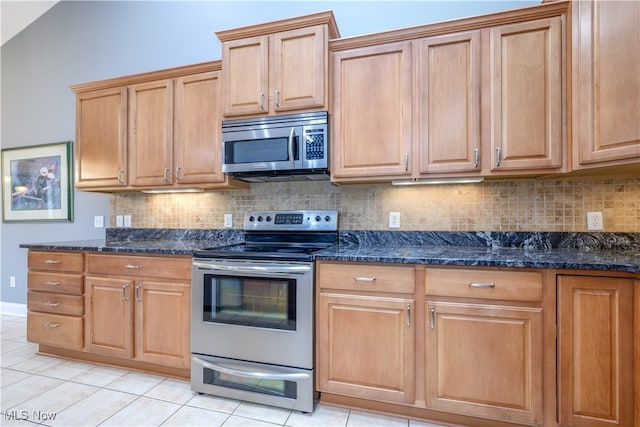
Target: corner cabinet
[(606, 83), (154, 130), (277, 67)]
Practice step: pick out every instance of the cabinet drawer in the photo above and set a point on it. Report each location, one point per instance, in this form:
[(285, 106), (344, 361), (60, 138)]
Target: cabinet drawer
[(504, 285), (56, 261), (367, 277), (123, 265), (55, 282), (47, 302), (54, 330)]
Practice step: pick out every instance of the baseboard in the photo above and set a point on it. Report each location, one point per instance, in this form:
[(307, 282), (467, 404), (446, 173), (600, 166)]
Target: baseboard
[(13, 309)]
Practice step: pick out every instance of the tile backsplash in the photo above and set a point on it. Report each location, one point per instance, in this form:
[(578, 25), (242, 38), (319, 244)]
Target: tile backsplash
[(518, 205)]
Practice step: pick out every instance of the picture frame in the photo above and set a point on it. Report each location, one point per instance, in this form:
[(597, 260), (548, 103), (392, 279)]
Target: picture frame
[(37, 183)]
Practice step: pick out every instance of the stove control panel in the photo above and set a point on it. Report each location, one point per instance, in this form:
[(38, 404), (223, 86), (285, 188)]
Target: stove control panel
[(303, 220)]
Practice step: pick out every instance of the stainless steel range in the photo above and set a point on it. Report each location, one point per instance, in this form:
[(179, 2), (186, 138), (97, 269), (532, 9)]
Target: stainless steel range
[(253, 310)]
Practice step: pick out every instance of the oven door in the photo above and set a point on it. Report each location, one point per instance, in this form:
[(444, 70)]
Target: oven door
[(263, 149), (260, 311)]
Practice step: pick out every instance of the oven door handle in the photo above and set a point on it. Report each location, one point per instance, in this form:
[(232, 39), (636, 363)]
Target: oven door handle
[(254, 268), (251, 374)]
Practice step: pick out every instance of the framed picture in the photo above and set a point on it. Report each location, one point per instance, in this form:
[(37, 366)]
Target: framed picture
[(37, 183)]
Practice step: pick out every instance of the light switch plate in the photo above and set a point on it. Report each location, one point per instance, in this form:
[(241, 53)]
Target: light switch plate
[(98, 221), (119, 221), (228, 220), (127, 220)]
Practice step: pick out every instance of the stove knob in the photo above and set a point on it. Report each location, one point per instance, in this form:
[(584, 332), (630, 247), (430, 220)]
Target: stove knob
[(268, 218), (318, 218), (327, 218), (252, 218), (260, 218)]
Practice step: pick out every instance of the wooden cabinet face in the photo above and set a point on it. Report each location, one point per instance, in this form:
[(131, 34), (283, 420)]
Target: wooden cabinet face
[(197, 127), (526, 95), (151, 133), (366, 347), (371, 127), (485, 361), (162, 318), (606, 82), (246, 76), (449, 117), (101, 138), (109, 308), (595, 320)]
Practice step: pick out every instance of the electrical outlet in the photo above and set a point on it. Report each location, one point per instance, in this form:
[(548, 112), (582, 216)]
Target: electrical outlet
[(228, 220), (119, 221), (127, 220), (98, 221), (594, 221), (394, 219), (12, 281)]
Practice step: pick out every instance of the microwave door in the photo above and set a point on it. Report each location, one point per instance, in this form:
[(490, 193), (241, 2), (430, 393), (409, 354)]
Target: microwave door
[(264, 150)]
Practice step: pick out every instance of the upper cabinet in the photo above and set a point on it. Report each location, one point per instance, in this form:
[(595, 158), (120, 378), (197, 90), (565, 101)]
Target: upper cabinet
[(277, 67), (481, 96), (153, 130), (605, 83)]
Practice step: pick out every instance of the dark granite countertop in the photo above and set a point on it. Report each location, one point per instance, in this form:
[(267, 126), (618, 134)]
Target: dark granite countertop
[(585, 251)]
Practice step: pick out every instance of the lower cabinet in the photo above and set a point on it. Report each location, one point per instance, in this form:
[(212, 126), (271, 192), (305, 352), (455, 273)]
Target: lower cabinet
[(485, 361), (146, 320), (596, 350)]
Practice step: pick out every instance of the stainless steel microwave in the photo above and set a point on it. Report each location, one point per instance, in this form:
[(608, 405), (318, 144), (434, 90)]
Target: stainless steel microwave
[(287, 147)]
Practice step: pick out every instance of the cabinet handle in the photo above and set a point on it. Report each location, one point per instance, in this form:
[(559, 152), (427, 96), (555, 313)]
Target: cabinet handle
[(52, 304), (51, 325), (137, 292), (165, 174), (406, 161), (52, 261), (364, 279), (498, 156), (124, 292), (178, 179), (120, 180), (52, 283), (433, 317), (277, 96), (408, 314), (476, 160), (133, 266), (261, 100), (481, 285)]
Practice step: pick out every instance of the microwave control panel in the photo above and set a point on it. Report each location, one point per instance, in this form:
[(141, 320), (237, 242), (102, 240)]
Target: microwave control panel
[(314, 144)]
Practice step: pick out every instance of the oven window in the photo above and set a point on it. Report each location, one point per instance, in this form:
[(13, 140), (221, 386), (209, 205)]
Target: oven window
[(260, 150), (281, 388), (250, 301)]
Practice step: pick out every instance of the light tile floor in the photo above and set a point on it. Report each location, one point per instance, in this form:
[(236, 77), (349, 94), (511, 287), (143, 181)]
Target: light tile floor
[(43, 390)]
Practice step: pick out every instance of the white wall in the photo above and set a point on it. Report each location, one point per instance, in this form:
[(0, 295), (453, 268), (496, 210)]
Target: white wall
[(83, 41)]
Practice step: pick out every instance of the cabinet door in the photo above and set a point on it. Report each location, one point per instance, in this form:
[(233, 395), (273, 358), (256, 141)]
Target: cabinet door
[(606, 81), (151, 133), (109, 316), (162, 319), (298, 69), (246, 77), (526, 95), (101, 139), (371, 127), (449, 121), (595, 316), (197, 126), (366, 347), (485, 361)]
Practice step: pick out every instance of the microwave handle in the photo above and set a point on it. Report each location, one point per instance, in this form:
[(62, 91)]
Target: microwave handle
[(291, 159)]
